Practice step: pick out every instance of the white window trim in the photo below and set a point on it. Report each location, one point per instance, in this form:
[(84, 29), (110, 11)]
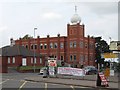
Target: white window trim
[(8, 60), (31, 60), (35, 60), (51, 45), (40, 60), (61, 45), (13, 60)]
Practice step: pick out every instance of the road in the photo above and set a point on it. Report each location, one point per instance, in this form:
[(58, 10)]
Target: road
[(15, 81)]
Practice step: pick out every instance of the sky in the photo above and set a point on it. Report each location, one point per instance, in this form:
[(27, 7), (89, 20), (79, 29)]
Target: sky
[(18, 18)]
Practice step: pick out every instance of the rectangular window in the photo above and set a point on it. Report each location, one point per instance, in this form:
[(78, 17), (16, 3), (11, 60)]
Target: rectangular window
[(45, 46), (86, 45), (40, 60), (81, 59), (41, 46), (35, 46), (61, 57), (70, 57), (26, 46), (13, 60), (71, 44), (61, 45), (55, 45), (51, 45), (31, 60), (74, 44), (55, 56), (35, 61), (81, 44), (8, 59), (32, 46), (74, 57), (91, 57), (91, 46)]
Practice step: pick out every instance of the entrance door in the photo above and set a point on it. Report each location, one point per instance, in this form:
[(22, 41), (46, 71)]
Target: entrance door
[(24, 62)]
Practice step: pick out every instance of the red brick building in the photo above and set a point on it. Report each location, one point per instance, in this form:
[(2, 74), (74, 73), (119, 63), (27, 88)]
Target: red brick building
[(15, 56), (74, 49), (3, 64)]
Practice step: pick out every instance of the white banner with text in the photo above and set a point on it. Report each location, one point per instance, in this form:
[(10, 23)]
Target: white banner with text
[(71, 71)]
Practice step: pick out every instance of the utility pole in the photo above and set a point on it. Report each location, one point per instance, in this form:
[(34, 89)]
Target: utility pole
[(34, 48)]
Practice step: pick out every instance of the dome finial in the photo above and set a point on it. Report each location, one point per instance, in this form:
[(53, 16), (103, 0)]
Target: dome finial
[(75, 9), (75, 18)]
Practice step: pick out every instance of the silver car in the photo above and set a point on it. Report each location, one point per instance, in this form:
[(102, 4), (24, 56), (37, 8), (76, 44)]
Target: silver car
[(42, 70), (90, 70)]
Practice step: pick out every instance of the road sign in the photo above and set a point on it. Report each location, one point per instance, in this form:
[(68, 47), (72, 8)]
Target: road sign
[(103, 79), (109, 55), (52, 63)]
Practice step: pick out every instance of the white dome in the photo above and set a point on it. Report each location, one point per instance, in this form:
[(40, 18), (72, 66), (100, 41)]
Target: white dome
[(75, 19)]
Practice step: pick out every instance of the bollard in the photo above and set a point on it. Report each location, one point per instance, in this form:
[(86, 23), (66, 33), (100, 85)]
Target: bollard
[(98, 82)]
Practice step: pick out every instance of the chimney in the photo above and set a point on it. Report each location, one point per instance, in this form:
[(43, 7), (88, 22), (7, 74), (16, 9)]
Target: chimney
[(48, 36), (58, 35), (38, 36), (12, 42)]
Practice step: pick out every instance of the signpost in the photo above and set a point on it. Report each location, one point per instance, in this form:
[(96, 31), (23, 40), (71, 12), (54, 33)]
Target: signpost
[(52, 64), (103, 79), (51, 71)]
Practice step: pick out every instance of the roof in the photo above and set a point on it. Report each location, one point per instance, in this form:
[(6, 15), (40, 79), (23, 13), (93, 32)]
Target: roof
[(17, 50)]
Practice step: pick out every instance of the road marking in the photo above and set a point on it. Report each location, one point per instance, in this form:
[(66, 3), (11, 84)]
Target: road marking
[(45, 86), (31, 82), (4, 81), (22, 80), (72, 87), (22, 85)]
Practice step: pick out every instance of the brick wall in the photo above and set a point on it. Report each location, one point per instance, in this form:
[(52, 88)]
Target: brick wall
[(3, 65)]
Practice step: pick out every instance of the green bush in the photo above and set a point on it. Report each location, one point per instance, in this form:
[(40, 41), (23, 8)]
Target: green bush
[(29, 67)]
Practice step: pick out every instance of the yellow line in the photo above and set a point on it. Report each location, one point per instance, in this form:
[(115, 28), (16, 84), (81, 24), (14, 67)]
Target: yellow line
[(72, 87), (22, 85), (4, 81), (45, 86)]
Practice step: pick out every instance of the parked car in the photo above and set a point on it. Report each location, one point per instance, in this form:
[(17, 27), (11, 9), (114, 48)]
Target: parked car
[(42, 70), (90, 70)]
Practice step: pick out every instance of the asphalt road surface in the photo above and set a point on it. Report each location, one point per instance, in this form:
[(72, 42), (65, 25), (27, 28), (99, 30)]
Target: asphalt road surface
[(15, 81)]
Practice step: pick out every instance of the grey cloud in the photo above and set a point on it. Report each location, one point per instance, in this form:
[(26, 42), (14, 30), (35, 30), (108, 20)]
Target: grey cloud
[(103, 8)]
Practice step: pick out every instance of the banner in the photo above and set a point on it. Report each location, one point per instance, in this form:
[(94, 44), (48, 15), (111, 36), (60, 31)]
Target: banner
[(71, 71)]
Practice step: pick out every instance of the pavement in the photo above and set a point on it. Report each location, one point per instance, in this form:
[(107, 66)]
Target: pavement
[(85, 81)]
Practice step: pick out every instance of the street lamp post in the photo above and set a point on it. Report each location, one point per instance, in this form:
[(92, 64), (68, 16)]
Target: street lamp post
[(34, 48), (110, 54)]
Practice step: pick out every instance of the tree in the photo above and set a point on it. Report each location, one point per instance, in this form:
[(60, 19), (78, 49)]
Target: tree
[(27, 36), (101, 46)]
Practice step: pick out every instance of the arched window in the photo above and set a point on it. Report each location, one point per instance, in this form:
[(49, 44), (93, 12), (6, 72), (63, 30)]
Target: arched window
[(41, 46)]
